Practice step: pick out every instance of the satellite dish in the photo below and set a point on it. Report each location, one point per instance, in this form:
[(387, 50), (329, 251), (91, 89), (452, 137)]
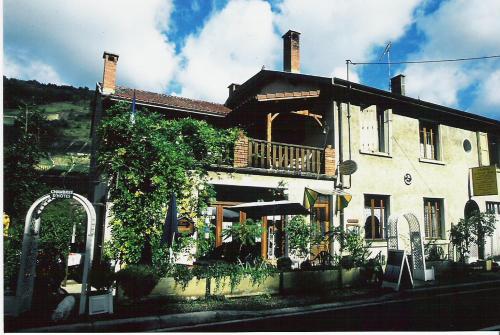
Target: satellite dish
[(348, 167)]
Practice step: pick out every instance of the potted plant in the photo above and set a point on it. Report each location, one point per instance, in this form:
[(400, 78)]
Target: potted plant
[(101, 278)]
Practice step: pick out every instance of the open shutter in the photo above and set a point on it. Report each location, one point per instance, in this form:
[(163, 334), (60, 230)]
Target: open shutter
[(482, 144), (369, 132)]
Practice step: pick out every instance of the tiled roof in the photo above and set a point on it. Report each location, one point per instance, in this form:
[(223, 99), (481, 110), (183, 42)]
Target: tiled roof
[(169, 101)]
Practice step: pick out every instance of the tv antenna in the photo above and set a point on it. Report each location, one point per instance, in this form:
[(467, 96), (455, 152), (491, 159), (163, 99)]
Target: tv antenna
[(387, 52)]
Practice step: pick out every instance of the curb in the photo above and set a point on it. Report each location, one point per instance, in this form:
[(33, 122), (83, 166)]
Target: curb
[(178, 321)]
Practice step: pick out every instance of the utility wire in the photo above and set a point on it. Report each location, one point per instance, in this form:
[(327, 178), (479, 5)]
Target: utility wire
[(423, 61)]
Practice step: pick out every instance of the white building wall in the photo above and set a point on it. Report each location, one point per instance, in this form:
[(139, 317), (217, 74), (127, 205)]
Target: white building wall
[(384, 174)]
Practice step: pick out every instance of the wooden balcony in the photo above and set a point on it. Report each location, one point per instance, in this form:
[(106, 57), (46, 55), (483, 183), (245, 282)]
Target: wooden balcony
[(283, 157)]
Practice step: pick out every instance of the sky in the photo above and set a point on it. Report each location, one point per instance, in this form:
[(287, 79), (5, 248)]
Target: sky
[(197, 48)]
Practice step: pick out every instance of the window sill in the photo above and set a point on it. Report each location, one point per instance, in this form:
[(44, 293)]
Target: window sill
[(375, 240), (431, 161), (375, 153)]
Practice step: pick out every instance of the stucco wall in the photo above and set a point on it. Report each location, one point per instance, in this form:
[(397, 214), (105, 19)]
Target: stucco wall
[(384, 175)]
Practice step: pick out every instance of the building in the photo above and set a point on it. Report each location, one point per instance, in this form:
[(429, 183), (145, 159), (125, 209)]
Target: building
[(412, 156)]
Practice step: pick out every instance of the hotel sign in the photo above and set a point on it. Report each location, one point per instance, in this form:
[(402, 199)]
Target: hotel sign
[(484, 180)]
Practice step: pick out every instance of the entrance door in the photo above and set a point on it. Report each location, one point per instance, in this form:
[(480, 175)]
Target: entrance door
[(321, 222)]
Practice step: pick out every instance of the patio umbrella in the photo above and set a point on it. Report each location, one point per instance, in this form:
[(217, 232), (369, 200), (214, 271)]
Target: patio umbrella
[(170, 226), (262, 208)]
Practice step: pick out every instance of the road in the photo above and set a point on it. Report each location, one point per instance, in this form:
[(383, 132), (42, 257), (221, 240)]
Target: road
[(466, 310)]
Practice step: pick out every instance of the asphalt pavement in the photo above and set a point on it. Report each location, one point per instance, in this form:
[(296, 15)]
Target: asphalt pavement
[(470, 306)]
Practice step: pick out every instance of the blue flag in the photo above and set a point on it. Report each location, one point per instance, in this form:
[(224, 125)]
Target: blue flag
[(132, 116), (170, 226)]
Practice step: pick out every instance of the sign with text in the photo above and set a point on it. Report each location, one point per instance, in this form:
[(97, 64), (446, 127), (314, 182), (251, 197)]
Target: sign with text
[(484, 180), (61, 194), (397, 270)]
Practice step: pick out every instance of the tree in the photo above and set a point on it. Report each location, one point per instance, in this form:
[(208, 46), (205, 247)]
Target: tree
[(470, 230), (244, 234), (22, 153), (301, 236), (146, 162)]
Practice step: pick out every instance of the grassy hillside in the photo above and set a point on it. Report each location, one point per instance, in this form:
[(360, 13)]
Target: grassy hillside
[(68, 111)]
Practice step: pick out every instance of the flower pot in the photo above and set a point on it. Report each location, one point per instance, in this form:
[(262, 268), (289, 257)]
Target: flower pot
[(101, 303)]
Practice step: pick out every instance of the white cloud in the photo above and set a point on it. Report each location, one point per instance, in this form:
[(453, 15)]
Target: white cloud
[(232, 46), (66, 39), (333, 31), (488, 99), (30, 69), (458, 29)]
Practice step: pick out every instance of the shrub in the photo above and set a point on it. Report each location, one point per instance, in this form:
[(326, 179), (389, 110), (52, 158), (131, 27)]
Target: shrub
[(101, 276), (284, 263), (137, 281), (471, 230)]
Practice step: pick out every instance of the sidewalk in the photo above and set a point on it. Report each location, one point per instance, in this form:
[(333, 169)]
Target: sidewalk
[(176, 322)]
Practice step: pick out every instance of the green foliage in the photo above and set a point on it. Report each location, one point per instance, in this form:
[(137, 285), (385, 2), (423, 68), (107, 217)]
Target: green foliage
[(12, 246), (354, 243), (204, 245), (22, 153), (146, 162), (257, 273), (101, 276), (244, 233), (137, 281), (433, 252), (181, 274), (55, 234), (301, 236), (472, 229)]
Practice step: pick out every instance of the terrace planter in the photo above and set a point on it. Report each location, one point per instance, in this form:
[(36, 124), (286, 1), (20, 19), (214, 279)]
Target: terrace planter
[(314, 281)]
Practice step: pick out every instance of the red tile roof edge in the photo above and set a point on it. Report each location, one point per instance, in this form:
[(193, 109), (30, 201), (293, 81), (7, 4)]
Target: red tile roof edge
[(164, 100)]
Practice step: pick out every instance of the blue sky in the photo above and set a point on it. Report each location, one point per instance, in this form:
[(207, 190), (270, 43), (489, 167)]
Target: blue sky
[(197, 48)]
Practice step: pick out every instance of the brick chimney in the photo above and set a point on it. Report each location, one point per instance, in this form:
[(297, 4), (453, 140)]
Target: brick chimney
[(291, 52), (109, 75), (398, 84)]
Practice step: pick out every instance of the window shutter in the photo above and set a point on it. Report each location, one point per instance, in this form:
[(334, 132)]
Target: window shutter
[(482, 144), (369, 133), (387, 130)]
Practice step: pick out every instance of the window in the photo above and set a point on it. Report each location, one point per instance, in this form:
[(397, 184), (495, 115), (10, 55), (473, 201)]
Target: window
[(429, 140), (376, 214), (494, 149), (433, 218), (375, 129), (493, 207)]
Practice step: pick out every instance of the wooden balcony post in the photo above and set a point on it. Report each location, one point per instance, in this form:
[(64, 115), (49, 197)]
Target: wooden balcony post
[(218, 225), (269, 127), (263, 240)]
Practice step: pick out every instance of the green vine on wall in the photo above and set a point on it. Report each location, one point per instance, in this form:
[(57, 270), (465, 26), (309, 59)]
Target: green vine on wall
[(148, 161)]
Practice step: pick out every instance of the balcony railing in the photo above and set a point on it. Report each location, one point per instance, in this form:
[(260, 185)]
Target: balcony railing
[(286, 158)]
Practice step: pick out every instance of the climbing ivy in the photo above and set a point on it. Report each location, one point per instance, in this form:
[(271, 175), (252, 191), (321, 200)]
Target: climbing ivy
[(146, 162)]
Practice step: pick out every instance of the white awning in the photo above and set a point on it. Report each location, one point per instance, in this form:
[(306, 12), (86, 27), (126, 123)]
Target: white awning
[(282, 207)]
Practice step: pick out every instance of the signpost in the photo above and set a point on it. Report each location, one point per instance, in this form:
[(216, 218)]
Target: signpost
[(397, 269), (484, 180)]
